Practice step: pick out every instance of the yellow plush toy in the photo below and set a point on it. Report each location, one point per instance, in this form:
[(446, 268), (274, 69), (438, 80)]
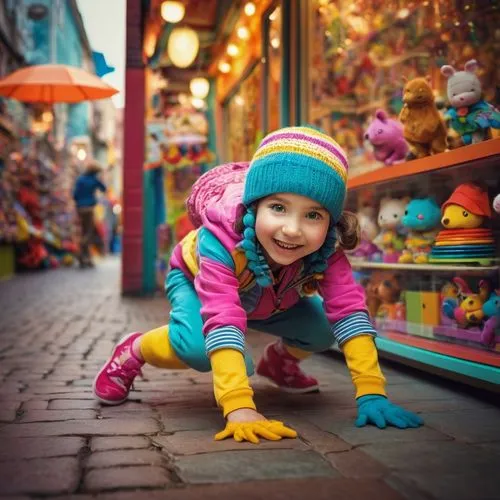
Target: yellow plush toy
[(466, 208)]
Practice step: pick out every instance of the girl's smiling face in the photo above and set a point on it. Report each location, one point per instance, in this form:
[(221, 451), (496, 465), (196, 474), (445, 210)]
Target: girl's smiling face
[(289, 227)]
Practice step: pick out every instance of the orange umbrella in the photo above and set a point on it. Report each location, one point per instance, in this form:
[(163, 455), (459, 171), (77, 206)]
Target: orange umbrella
[(51, 83)]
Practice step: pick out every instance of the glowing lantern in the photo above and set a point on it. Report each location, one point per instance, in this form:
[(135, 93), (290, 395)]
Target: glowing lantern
[(172, 12), (199, 87), (182, 47)]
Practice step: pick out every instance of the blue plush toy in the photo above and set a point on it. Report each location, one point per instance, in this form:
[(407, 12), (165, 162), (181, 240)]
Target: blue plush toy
[(422, 217)]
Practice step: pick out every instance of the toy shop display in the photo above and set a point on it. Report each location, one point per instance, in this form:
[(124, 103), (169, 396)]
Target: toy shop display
[(464, 240), (470, 115), (423, 126), (243, 118), (386, 137), (391, 237), (422, 216), (37, 212), (373, 61)]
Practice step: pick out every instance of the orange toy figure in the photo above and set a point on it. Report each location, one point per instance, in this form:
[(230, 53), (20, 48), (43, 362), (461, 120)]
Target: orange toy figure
[(383, 290), (424, 129)]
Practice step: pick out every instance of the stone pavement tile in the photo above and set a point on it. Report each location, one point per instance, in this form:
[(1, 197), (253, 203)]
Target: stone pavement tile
[(317, 488), (66, 395), (55, 415), (125, 477), (35, 404), (346, 430), (118, 443), (39, 447), (40, 476), (445, 405), (73, 404), (189, 421), (116, 458), (195, 442), (10, 405), (7, 415), (444, 470), (421, 391), (104, 427), (259, 464), (357, 464), (316, 438), (472, 426)]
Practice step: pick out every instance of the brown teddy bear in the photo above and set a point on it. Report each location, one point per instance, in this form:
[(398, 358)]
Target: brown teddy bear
[(424, 129)]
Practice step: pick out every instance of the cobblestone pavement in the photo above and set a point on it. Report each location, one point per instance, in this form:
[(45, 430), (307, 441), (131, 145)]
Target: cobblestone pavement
[(57, 327)]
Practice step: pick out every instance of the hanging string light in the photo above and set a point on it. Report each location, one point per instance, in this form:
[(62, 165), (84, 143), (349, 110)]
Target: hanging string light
[(199, 87), (172, 12)]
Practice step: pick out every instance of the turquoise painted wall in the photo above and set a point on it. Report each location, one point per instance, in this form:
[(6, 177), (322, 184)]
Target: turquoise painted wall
[(69, 50)]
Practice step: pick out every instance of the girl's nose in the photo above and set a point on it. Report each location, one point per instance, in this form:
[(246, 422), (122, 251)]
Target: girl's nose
[(291, 229)]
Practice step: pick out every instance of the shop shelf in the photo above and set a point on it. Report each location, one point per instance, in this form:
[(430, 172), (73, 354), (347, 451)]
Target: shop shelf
[(434, 268), (471, 155)]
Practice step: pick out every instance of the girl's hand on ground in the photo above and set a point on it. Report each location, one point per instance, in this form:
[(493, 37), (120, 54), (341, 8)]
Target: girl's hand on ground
[(246, 424), (378, 410)]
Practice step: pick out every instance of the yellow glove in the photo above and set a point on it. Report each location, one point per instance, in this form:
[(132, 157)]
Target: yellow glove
[(248, 431)]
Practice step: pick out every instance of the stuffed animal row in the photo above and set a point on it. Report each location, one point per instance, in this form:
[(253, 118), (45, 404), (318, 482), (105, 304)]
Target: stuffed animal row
[(421, 130)]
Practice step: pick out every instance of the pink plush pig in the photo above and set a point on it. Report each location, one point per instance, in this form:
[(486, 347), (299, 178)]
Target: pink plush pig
[(386, 136)]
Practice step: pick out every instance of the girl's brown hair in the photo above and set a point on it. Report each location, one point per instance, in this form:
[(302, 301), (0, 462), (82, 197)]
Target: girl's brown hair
[(348, 231)]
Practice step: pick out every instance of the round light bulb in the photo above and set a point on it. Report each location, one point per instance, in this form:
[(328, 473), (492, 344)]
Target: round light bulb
[(172, 12), (182, 47), (224, 67), (197, 103), (249, 9), (243, 33), (232, 50), (199, 87)]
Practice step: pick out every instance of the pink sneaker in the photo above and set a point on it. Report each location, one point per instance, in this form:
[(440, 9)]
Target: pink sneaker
[(112, 383), (283, 370)]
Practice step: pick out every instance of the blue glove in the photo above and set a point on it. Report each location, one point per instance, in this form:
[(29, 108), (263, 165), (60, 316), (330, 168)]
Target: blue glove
[(378, 410)]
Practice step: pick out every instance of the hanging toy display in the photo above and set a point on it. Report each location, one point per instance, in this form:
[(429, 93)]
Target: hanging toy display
[(470, 116)]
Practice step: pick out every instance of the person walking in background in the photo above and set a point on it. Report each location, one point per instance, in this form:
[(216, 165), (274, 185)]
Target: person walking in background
[(267, 254), (84, 194)]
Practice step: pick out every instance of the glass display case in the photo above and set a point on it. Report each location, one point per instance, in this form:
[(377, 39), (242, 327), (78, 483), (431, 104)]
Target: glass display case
[(243, 117), (435, 298), (360, 51)]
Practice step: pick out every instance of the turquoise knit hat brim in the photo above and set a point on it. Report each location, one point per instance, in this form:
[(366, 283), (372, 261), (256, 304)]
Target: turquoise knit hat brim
[(298, 174)]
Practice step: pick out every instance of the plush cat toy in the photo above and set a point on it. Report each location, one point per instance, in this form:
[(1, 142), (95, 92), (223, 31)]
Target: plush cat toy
[(386, 137), (424, 129), (470, 116), (422, 217), (391, 237)]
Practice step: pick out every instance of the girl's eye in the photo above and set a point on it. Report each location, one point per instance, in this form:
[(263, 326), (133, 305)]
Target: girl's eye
[(314, 215), (465, 214), (277, 207)]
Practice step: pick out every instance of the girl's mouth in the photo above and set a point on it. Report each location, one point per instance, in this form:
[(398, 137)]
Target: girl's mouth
[(286, 246)]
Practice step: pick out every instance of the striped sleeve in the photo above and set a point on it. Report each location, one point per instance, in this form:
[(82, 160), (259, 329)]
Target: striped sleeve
[(355, 324), (225, 337)]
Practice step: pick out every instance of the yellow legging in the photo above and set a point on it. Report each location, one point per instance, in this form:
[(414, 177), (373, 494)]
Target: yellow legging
[(157, 350)]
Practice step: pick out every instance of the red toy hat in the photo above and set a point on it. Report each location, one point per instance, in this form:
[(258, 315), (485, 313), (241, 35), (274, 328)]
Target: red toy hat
[(472, 198)]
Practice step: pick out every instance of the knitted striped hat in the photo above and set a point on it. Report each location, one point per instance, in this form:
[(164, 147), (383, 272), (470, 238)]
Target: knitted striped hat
[(299, 160)]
